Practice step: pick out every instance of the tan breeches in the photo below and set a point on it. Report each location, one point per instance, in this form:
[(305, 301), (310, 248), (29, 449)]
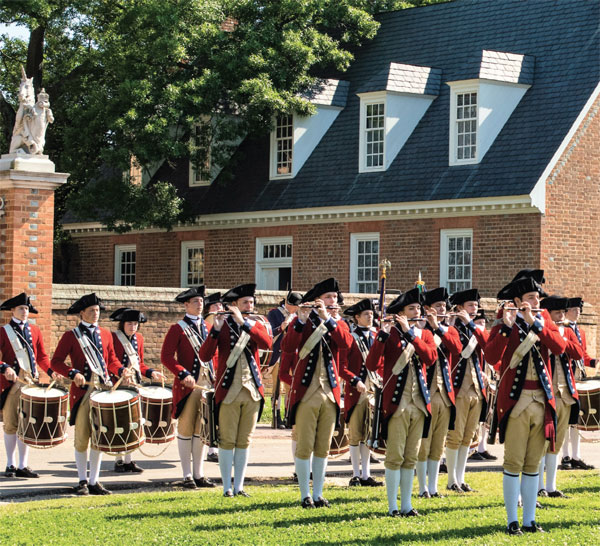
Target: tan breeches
[(315, 423), (357, 427), (524, 442), (563, 412), (83, 428), (405, 429), (188, 422), (468, 410), (237, 421), (433, 446), (10, 411)]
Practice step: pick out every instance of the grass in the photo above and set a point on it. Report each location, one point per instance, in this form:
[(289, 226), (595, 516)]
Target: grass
[(273, 516)]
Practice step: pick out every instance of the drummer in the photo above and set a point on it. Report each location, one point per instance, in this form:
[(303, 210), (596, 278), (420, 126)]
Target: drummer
[(129, 348), (180, 355), (92, 355), (22, 354)]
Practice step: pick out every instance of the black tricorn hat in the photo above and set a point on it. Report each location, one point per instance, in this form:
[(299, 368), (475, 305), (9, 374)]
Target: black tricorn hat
[(212, 299), (294, 298), (536, 274), (360, 306), (517, 288), (126, 314), (193, 292), (241, 291), (480, 314), (575, 302), (411, 296), (554, 303), (84, 302), (328, 285), (437, 294), (21, 299), (458, 298)]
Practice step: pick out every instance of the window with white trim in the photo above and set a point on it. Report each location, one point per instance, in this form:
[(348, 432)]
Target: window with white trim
[(282, 146), (274, 263), (199, 177), (192, 263), (456, 259), (372, 134), (125, 256), (364, 263), (464, 120)]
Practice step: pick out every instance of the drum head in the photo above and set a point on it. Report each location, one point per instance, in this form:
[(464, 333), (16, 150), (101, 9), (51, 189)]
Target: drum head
[(42, 392), (108, 397), (156, 392), (593, 385)]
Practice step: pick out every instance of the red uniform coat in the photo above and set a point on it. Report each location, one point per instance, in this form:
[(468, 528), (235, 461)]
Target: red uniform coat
[(501, 345), (334, 355), (8, 358), (448, 351), (123, 358), (390, 347), (574, 351), (68, 346), (223, 341), (587, 359), (179, 357)]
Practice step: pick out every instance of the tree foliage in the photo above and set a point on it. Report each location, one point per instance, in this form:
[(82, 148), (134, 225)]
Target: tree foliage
[(134, 78)]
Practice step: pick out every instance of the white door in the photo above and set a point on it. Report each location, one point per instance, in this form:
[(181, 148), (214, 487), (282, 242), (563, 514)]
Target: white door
[(270, 278)]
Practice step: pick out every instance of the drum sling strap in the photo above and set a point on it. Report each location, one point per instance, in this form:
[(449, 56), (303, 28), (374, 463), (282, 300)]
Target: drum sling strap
[(132, 355), (196, 342), (312, 341), (91, 354), (20, 351), (364, 351), (404, 358), (238, 348)]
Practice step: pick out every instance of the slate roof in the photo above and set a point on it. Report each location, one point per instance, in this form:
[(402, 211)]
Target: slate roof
[(405, 78), (328, 92), (459, 39)]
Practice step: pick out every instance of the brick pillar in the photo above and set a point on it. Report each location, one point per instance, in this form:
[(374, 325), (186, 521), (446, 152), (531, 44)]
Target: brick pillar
[(26, 236)]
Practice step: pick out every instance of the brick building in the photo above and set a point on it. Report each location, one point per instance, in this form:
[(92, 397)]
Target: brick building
[(462, 143)]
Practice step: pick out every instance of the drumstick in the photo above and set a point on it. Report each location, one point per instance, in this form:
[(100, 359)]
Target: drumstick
[(50, 386), (114, 387), (162, 370)]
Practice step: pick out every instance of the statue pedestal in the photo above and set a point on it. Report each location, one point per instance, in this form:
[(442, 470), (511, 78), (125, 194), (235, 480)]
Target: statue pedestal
[(26, 162), (27, 232)]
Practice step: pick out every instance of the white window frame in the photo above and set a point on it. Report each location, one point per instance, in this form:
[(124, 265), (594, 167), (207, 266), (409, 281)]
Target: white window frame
[(355, 238), (273, 174), (261, 262), (456, 90), (445, 235), (185, 246), (192, 179), (119, 250), (366, 100)]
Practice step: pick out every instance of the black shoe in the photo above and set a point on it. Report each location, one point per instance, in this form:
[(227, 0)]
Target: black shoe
[(424, 495), (542, 493), (565, 463), (98, 489), (533, 528), (487, 455), (395, 514), (82, 488), (373, 459), (514, 529), (575, 465), (242, 493), (455, 487), (538, 505), (355, 481), (370, 482), (443, 468), (10, 472), (295, 478), (476, 457), (26, 473), (467, 488), (307, 502), (120, 467), (322, 502), (188, 483), (436, 495), (412, 513), (132, 467), (212, 458), (203, 482), (228, 494), (557, 494)]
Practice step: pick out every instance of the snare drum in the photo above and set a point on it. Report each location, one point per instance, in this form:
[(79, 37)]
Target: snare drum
[(340, 442), (208, 431), (43, 416), (589, 399), (116, 421), (157, 406)]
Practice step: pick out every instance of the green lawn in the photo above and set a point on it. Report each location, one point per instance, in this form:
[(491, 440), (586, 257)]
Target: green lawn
[(273, 516)]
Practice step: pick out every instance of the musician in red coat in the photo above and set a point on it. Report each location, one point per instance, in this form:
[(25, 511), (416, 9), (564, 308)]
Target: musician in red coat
[(95, 366), (575, 462), (525, 407), (28, 342), (129, 348), (407, 352), (469, 382), (358, 392), (239, 391), (314, 343), (439, 382), (180, 354), (565, 391)]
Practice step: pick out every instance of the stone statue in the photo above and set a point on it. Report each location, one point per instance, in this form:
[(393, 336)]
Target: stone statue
[(29, 133)]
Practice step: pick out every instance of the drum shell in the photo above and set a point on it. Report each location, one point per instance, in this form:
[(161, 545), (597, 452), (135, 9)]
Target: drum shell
[(159, 425), (589, 401), (43, 434), (381, 445), (208, 429), (340, 442), (115, 415)]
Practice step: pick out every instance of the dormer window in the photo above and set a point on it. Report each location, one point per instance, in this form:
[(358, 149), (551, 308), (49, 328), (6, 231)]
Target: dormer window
[(282, 147), (465, 126), (374, 135)]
